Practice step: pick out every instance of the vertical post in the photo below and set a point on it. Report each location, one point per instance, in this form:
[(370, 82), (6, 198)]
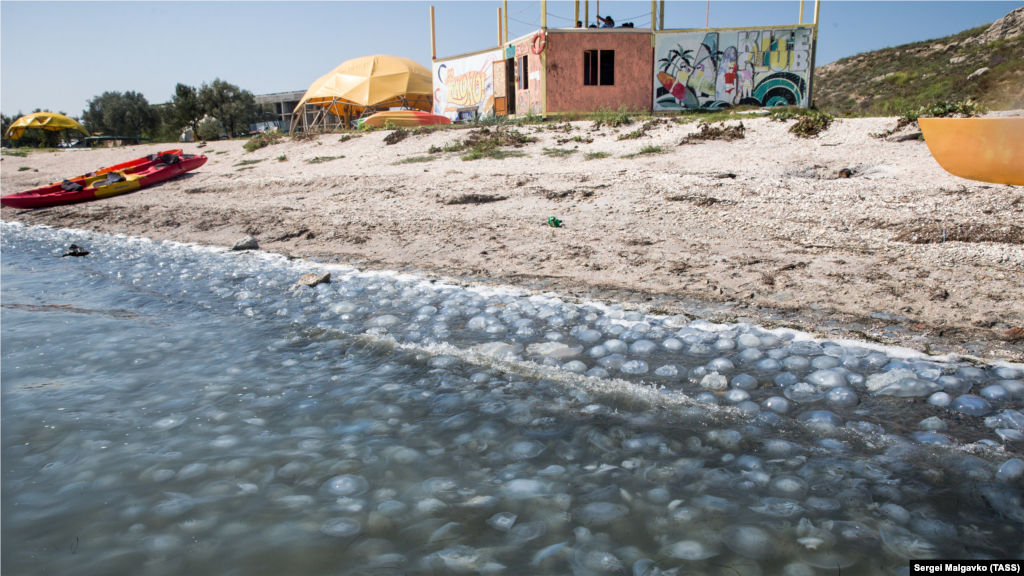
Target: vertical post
[(661, 18), (598, 12), (654, 15), (544, 61), (801, 11), (576, 12), (433, 40), (543, 14), (814, 55), (504, 6), (499, 27), (586, 14), (707, 16)]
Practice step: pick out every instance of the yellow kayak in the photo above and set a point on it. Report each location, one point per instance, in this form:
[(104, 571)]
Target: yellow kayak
[(983, 149)]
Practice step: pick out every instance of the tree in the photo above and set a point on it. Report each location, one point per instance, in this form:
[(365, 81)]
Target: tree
[(117, 114), (5, 123), (187, 112), (233, 107)]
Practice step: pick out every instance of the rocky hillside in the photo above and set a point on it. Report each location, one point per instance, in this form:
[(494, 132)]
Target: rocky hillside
[(985, 64)]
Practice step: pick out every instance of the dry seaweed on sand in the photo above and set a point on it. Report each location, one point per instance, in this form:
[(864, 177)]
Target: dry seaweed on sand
[(812, 125), (720, 132), (472, 199)]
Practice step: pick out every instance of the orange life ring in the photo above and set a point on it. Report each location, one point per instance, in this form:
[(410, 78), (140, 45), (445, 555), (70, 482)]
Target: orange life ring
[(539, 42)]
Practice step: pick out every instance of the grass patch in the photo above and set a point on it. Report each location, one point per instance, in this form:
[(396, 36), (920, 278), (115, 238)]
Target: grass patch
[(487, 143), (720, 132), (453, 147), (248, 162), (396, 136), (613, 118), (23, 168), (219, 151), (647, 150), (322, 159), (261, 140), (282, 158), (643, 130), (963, 109), (245, 168), (348, 137), (493, 153), (595, 155), (559, 152), (415, 160), (18, 153)]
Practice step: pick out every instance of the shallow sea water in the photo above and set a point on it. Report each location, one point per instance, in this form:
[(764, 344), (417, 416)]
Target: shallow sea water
[(175, 409)]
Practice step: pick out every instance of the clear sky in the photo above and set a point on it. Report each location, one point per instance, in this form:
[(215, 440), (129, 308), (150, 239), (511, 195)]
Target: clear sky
[(57, 55)]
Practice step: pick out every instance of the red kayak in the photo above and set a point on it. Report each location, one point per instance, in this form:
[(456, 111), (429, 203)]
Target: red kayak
[(111, 183)]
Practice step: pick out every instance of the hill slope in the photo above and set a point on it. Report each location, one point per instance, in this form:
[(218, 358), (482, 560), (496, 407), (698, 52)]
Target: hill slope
[(895, 80)]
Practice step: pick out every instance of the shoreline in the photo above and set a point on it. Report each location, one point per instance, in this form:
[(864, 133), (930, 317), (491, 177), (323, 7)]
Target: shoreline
[(718, 230)]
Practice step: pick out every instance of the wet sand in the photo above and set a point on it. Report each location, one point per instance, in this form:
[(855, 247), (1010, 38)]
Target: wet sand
[(760, 228)]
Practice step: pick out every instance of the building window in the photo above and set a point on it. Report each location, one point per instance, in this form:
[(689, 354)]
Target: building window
[(524, 73), (598, 67), (607, 67)]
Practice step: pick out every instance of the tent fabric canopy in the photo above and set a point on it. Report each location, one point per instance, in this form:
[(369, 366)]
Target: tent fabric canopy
[(371, 81), (43, 121)]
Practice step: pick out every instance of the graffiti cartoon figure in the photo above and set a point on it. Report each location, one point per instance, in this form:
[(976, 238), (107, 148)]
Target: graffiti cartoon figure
[(725, 83), (747, 81)]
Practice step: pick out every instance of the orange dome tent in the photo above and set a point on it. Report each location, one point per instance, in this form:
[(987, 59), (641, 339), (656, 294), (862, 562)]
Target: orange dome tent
[(377, 82)]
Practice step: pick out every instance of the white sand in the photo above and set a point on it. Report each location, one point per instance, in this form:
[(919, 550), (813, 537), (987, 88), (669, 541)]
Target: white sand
[(828, 244)]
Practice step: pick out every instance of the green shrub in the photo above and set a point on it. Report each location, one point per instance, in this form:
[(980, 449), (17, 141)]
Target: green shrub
[(262, 140), (595, 155), (18, 153), (23, 168), (210, 129), (812, 125), (248, 162), (282, 158)]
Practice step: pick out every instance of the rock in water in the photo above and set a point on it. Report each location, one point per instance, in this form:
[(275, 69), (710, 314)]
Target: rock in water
[(247, 243), (75, 250), (312, 279)]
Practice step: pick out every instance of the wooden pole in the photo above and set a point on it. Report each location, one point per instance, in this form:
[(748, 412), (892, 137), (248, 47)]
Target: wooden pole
[(817, 9), (543, 14), (504, 6), (654, 15), (586, 14), (661, 18), (433, 40), (499, 27), (707, 16), (801, 11), (576, 13)]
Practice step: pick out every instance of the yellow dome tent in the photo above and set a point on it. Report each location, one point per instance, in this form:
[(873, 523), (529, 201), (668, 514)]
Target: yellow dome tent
[(43, 121), (378, 82)]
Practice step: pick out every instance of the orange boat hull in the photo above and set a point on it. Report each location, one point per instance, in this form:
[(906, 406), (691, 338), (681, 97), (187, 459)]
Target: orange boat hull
[(982, 149)]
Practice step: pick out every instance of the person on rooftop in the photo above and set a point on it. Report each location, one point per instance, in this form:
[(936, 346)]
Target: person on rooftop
[(607, 22), (579, 24)]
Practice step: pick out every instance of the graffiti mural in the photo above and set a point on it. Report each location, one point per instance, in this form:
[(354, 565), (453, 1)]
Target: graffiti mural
[(717, 69), (465, 83)]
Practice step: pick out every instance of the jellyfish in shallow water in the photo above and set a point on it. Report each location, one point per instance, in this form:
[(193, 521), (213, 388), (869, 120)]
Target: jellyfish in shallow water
[(523, 449), (751, 541), (689, 550), (601, 513), (502, 521), (345, 486), (525, 532), (341, 527)]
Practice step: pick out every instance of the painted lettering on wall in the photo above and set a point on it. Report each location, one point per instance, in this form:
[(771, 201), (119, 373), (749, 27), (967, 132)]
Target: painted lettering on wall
[(465, 84), (466, 89), (714, 70)]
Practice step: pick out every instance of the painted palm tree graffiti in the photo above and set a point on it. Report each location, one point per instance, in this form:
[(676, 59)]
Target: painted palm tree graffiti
[(716, 70)]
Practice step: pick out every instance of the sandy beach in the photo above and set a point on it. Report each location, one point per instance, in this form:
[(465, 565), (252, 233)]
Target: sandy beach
[(761, 228)]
